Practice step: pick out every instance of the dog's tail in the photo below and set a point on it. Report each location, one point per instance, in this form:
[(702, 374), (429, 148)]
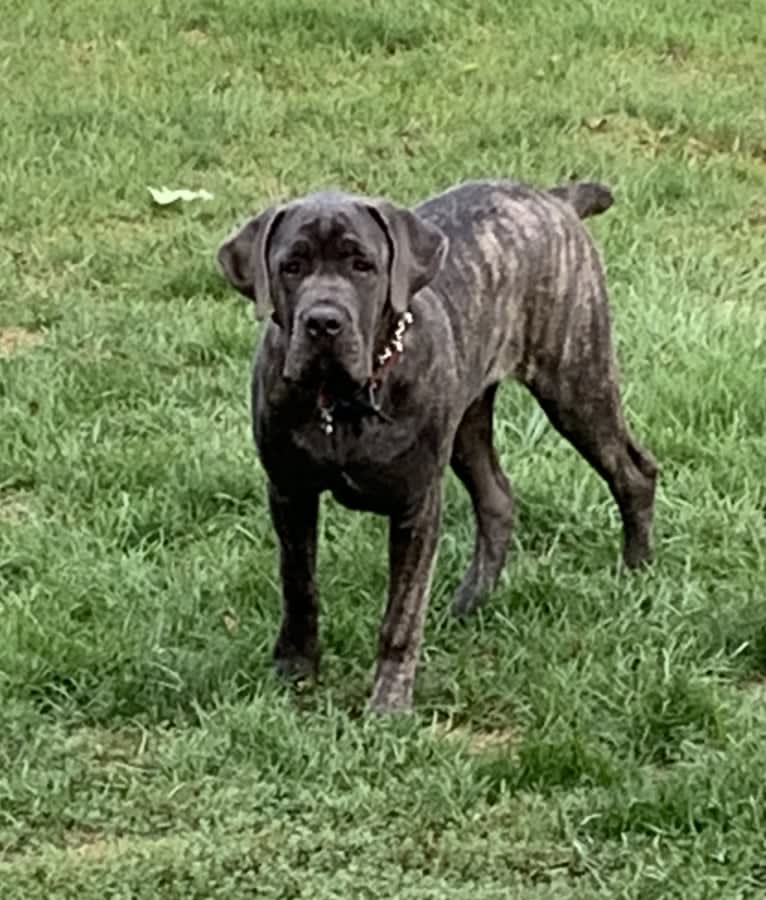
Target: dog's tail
[(589, 198)]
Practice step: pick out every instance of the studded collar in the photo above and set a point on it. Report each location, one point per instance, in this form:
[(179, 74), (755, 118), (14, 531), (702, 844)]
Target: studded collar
[(365, 401)]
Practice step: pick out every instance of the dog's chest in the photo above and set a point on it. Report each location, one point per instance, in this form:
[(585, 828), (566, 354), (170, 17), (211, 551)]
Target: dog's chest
[(351, 492), (365, 487), (368, 468)]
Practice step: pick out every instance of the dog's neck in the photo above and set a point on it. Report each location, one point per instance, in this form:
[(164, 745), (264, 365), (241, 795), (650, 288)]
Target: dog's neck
[(365, 402)]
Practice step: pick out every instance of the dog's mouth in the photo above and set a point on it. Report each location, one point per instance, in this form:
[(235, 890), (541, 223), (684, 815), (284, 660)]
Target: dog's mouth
[(338, 363), (337, 373)]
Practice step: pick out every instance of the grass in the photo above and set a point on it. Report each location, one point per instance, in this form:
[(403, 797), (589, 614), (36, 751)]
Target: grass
[(588, 734)]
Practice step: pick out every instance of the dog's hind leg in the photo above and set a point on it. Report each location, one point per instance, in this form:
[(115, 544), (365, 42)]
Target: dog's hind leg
[(586, 409), (475, 462)]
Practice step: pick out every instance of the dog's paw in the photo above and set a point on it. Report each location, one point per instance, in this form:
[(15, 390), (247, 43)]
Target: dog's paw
[(392, 691), (296, 667), (468, 598), (637, 555)]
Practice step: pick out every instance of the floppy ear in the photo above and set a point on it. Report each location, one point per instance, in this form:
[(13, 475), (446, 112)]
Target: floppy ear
[(242, 258), (417, 250)]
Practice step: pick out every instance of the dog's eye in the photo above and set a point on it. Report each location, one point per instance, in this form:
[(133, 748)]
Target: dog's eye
[(292, 267), (362, 265)]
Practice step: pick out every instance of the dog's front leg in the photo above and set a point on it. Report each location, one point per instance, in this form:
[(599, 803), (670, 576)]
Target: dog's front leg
[(413, 540), (296, 652)]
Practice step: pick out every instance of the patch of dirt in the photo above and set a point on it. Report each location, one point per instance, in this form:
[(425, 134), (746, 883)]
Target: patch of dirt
[(195, 37), (632, 132), (91, 845), (83, 845), (14, 505), (87, 846), (122, 745), (15, 340), (121, 228), (82, 53), (85, 52), (640, 136), (477, 740)]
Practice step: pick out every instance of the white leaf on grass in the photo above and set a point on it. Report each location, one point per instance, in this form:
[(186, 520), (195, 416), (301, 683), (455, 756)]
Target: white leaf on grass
[(165, 196)]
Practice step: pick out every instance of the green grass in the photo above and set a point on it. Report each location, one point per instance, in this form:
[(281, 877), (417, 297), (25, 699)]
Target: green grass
[(588, 734)]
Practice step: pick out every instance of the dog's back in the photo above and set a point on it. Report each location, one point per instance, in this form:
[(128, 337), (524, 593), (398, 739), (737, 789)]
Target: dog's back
[(522, 271)]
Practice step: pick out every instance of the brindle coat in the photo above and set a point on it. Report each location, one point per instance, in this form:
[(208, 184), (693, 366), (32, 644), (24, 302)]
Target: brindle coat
[(501, 280)]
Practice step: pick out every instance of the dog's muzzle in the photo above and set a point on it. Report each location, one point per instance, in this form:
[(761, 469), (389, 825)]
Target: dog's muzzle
[(325, 342)]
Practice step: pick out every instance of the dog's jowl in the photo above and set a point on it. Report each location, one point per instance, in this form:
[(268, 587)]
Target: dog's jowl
[(390, 331)]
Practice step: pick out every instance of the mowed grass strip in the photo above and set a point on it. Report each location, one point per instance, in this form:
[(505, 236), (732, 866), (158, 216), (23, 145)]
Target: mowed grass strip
[(589, 734)]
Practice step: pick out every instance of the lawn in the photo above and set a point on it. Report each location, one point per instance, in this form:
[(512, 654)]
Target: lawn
[(590, 734)]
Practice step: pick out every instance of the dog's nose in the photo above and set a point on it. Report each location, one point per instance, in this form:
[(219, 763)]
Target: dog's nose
[(323, 320)]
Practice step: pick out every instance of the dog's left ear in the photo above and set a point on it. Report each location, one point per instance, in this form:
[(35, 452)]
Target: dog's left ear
[(417, 250), (242, 257)]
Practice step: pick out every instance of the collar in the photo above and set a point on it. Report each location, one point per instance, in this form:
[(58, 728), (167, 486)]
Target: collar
[(365, 401)]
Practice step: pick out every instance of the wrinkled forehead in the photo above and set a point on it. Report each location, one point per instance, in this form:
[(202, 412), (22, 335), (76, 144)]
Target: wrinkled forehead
[(328, 223)]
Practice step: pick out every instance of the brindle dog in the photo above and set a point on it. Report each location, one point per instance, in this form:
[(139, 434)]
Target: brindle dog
[(390, 331)]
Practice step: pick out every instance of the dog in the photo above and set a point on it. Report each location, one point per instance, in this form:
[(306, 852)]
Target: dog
[(390, 330)]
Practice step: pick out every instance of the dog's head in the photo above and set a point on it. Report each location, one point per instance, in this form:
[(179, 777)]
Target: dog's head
[(334, 271)]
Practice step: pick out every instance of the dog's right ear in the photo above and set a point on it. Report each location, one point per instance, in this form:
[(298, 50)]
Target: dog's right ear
[(243, 259)]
